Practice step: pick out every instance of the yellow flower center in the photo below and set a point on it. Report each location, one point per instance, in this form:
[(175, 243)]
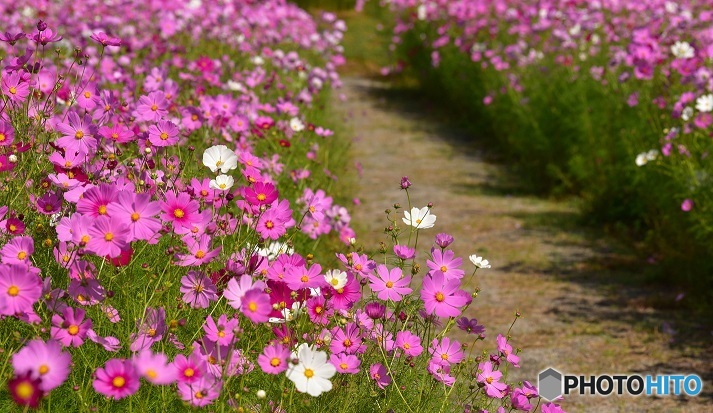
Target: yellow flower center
[(151, 373), (309, 373), (200, 254), (13, 291), (407, 346), (347, 343), (261, 197), (178, 213), (252, 306), (108, 236), (79, 134), (87, 95), (275, 362), (154, 107), (152, 332), (389, 284), (221, 333), (444, 356), (164, 136), (118, 382), (269, 225), (13, 90), (343, 366), (198, 288), (418, 221), (444, 268), (199, 395), (73, 330), (189, 372), (218, 163), (102, 210), (489, 380), (135, 216), (13, 228), (2, 137), (24, 390), (318, 310), (85, 239), (21, 255), (44, 369), (304, 279), (440, 297)]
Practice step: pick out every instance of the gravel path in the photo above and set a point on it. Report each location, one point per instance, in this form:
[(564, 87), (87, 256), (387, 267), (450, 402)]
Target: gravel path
[(579, 313)]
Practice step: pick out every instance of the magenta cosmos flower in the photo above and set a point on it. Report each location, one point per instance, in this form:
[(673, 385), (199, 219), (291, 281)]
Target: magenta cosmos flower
[(164, 133), (380, 375), (256, 306), (152, 107), (138, 212), (199, 251), (390, 284), (70, 328), (198, 289), (17, 251), (445, 262), (45, 361), (201, 393), (446, 351), (19, 289), (410, 343), (489, 377), (154, 367), (238, 287), (189, 369), (260, 193), (117, 379), (77, 134), (274, 358), (345, 363), (109, 237), (441, 297), (180, 210), (222, 332), (14, 88), (506, 350)]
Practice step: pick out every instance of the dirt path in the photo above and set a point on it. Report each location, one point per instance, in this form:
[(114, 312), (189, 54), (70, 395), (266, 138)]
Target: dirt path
[(578, 314)]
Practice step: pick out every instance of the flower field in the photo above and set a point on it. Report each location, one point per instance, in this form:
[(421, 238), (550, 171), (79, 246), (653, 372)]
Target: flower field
[(609, 101), (172, 234)]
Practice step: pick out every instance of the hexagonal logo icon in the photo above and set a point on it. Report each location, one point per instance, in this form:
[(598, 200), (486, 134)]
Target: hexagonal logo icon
[(549, 384)]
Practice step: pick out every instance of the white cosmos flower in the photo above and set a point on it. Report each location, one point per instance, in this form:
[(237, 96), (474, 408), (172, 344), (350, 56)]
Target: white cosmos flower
[(641, 159), (297, 125), (687, 113), (219, 157), (419, 218), (705, 103), (479, 262), (652, 155), (222, 182), (337, 279), (312, 373), (683, 50)]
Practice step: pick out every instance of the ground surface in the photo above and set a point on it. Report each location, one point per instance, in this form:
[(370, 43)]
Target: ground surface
[(581, 311)]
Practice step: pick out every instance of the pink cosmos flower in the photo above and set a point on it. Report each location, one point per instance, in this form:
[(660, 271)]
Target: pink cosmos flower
[(444, 262), (274, 359), (260, 193), (390, 284), (345, 363), (109, 343), (199, 251), (154, 367), (151, 328), (687, 205), (71, 327), (237, 288), (470, 326), (404, 252), (17, 251), (117, 133), (45, 361), (442, 374), (316, 203), (408, 342), (95, 201), (345, 297), (19, 289), (302, 277), (347, 340), (446, 351), (443, 240), (180, 210), (202, 392), (117, 379), (25, 390), (105, 40), (138, 212), (221, 333), (318, 311), (270, 225), (198, 289), (45, 36), (489, 377), (109, 237), (189, 369), (380, 375), (15, 88), (164, 133), (506, 350), (77, 134), (153, 107), (440, 297), (256, 306), (551, 408), (7, 133)]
